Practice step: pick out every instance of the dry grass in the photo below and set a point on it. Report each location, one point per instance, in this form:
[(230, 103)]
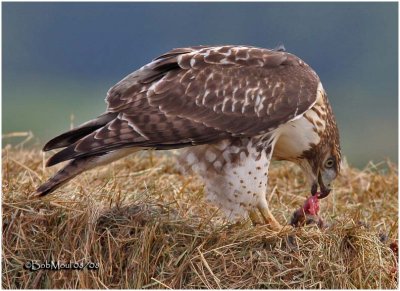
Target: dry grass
[(147, 226)]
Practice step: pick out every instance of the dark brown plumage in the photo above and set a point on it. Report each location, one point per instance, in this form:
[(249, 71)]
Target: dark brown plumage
[(168, 115)]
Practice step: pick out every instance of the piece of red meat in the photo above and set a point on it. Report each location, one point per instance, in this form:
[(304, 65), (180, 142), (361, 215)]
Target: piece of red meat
[(308, 213), (311, 206)]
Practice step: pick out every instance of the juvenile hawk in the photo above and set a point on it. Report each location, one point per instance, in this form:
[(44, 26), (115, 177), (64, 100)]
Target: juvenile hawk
[(233, 107)]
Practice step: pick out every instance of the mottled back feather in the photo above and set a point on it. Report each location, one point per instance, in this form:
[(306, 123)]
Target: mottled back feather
[(199, 95)]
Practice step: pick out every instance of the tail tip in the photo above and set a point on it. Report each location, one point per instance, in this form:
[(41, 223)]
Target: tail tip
[(46, 147), (42, 190)]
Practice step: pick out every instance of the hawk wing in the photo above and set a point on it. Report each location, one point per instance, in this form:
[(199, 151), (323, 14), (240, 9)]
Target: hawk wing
[(199, 95)]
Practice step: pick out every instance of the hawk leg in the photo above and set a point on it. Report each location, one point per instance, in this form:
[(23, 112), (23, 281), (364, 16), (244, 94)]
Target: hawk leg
[(270, 220)]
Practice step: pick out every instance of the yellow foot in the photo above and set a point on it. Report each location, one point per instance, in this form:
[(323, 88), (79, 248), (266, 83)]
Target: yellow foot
[(285, 228), (270, 220), (279, 228)]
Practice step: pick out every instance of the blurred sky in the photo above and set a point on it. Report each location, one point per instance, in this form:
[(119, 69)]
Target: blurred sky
[(61, 58)]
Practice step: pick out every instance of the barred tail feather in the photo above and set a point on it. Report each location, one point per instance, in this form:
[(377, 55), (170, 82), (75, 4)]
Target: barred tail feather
[(69, 137), (77, 166)]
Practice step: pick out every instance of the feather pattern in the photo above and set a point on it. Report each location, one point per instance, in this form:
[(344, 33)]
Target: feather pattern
[(240, 106), (200, 95)]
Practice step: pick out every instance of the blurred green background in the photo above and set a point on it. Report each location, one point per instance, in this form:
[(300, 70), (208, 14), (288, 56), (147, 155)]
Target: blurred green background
[(61, 58)]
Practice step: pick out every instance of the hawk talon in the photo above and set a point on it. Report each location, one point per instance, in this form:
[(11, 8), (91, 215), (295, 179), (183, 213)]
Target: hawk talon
[(271, 221)]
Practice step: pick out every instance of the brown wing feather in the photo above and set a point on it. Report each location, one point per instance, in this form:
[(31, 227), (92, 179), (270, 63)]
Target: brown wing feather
[(201, 95), (260, 87), (151, 128)]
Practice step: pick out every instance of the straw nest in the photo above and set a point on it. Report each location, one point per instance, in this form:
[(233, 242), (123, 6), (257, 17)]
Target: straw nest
[(140, 223)]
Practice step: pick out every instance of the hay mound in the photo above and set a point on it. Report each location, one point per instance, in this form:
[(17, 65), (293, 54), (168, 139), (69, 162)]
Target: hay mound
[(140, 224)]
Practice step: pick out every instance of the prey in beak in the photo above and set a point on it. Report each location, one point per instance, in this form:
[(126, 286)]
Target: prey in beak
[(320, 177), (324, 189)]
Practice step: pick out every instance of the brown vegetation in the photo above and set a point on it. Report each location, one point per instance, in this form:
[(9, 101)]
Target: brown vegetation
[(147, 226)]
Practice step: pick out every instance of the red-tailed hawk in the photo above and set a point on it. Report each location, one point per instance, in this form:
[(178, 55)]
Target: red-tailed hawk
[(233, 107)]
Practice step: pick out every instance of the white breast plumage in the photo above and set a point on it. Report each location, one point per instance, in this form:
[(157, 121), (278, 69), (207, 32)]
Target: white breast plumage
[(297, 136)]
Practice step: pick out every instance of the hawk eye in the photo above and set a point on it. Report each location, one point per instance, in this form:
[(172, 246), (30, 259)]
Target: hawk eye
[(329, 163)]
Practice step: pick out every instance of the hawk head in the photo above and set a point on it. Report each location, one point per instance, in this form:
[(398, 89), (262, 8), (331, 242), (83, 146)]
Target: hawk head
[(321, 168), (321, 162)]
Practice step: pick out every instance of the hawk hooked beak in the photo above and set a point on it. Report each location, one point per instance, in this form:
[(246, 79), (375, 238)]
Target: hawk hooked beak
[(325, 189)]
